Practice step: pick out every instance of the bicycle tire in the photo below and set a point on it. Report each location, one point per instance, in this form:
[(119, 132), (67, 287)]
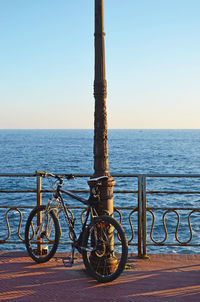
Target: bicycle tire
[(102, 259), (47, 243)]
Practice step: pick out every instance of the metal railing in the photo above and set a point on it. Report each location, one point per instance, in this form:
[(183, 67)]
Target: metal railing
[(139, 230), (147, 208)]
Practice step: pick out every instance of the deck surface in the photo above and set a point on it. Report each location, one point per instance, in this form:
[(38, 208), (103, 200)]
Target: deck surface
[(161, 278)]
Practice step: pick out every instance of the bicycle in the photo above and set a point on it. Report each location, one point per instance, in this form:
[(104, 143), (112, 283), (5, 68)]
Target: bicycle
[(102, 241)]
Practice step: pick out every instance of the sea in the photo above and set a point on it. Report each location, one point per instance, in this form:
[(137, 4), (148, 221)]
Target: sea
[(130, 152)]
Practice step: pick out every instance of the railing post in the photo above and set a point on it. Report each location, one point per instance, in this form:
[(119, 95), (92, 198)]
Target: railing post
[(139, 216), (39, 216), (144, 216), (39, 187)]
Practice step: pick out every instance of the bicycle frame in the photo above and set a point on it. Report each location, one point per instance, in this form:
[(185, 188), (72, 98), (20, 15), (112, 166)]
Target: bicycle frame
[(68, 220)]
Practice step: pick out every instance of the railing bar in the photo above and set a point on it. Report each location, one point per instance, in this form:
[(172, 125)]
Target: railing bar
[(118, 192), (71, 207), (87, 191), (158, 175), (173, 175), (126, 175), (17, 175), (115, 175), (173, 192), (126, 208), (118, 208), (132, 244), (177, 245), (73, 191), (11, 242), (126, 191), (30, 207), (19, 191), (18, 207), (67, 242), (182, 209)]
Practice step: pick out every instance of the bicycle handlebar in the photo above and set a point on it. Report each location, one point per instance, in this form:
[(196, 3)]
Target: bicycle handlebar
[(46, 174), (70, 176)]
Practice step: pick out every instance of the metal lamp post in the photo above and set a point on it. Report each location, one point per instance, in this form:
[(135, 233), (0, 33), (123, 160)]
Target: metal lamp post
[(101, 166)]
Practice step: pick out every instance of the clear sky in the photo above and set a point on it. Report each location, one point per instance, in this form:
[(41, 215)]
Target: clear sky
[(47, 63)]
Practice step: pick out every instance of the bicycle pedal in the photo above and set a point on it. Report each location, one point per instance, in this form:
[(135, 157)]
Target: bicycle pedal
[(68, 261)]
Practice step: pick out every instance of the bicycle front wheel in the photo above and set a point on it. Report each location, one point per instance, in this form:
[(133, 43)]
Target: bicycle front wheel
[(42, 234), (105, 249)]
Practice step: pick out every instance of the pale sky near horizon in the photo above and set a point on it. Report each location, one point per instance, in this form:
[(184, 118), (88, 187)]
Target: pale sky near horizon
[(47, 64)]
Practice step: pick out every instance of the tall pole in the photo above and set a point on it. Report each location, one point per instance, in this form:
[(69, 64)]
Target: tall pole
[(101, 165)]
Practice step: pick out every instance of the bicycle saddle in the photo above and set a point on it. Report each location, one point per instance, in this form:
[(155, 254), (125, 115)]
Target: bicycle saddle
[(100, 178)]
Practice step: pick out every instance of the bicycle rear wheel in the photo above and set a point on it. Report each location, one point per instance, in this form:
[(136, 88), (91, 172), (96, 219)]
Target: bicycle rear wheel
[(105, 249), (42, 234)]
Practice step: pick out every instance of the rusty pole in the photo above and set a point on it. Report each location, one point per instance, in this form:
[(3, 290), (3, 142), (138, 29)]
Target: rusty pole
[(101, 166)]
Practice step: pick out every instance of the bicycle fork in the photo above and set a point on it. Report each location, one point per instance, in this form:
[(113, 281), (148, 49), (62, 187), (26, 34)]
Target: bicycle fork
[(39, 233)]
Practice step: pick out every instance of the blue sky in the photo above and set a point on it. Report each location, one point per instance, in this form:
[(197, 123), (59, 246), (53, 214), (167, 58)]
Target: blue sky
[(47, 63)]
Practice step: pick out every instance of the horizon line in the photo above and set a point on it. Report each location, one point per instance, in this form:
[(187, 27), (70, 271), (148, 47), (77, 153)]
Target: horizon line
[(93, 129)]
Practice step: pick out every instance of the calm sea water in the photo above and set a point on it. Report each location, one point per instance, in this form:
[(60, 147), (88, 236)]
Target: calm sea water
[(130, 152)]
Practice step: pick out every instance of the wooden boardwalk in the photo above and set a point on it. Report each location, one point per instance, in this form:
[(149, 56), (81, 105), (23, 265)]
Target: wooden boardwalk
[(160, 278)]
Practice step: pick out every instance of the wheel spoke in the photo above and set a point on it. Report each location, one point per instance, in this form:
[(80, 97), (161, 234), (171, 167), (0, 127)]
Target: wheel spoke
[(42, 240), (106, 236)]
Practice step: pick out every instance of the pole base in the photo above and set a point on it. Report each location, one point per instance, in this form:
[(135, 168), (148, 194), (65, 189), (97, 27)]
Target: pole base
[(104, 265)]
